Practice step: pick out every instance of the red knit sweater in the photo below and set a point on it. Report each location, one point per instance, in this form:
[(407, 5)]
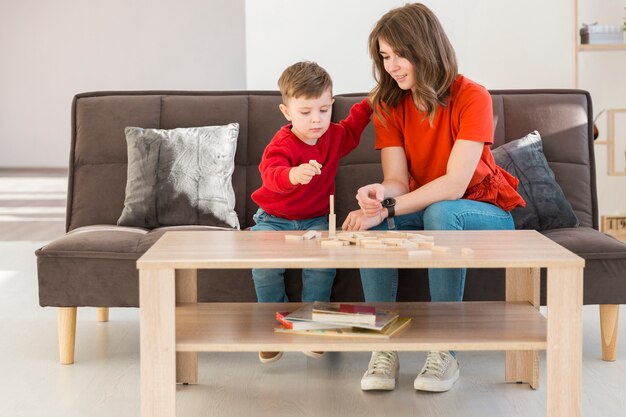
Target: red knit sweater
[(277, 196)]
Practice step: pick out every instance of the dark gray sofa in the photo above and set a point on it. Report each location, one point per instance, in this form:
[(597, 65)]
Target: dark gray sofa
[(93, 264)]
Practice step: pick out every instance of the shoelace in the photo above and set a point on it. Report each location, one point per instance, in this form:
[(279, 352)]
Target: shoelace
[(383, 363), (436, 363)]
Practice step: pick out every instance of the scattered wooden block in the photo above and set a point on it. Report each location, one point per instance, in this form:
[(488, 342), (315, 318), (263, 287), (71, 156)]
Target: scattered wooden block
[(393, 241), (425, 244), (467, 252), (361, 240), (317, 165), (375, 246), (420, 236), (440, 248), (419, 252), (294, 237), (310, 234), (391, 234)]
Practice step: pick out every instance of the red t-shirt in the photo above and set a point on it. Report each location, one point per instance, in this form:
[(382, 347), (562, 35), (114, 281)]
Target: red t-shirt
[(278, 196), (467, 116)]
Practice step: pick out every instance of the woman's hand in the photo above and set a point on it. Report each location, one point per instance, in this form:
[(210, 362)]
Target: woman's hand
[(357, 220), (370, 198)]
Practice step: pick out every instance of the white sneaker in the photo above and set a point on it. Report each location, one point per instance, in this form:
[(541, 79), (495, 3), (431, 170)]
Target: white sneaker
[(439, 373), (382, 372)]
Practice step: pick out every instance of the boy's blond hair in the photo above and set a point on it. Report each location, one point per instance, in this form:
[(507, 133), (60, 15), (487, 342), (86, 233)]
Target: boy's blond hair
[(304, 79)]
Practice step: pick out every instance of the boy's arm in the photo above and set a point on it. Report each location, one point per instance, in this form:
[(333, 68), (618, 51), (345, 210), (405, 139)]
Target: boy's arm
[(354, 124), (274, 168)]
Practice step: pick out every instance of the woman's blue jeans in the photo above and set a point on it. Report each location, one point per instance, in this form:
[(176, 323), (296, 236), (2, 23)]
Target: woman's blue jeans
[(446, 284), (270, 283)]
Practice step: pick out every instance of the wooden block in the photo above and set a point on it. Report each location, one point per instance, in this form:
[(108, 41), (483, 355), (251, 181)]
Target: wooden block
[(410, 245), (440, 248), (419, 252), (467, 252), (425, 244), (393, 241), (420, 236), (317, 165), (361, 240), (361, 234), (391, 234), (334, 243), (294, 237), (310, 234), (347, 239), (332, 225), (375, 246)]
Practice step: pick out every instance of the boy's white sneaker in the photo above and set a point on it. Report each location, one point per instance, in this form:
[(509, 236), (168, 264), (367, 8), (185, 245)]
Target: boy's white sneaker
[(439, 373), (382, 372)]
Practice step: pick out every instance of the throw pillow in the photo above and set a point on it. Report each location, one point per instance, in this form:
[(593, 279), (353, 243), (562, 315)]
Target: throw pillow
[(180, 177), (546, 205)]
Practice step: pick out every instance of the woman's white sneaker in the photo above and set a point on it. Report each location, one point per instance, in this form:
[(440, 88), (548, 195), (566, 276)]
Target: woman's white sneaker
[(439, 373), (382, 372)]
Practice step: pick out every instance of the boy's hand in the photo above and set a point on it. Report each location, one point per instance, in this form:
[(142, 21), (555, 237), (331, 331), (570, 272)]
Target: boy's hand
[(302, 174)]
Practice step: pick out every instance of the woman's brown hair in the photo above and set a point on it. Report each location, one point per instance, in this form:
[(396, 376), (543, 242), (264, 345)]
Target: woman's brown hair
[(415, 33)]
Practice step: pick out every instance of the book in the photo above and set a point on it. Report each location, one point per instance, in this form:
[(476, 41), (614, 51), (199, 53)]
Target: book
[(344, 313), (383, 318), (394, 328), (304, 325)]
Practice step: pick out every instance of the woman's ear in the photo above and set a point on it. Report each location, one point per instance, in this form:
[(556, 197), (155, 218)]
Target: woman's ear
[(285, 111)]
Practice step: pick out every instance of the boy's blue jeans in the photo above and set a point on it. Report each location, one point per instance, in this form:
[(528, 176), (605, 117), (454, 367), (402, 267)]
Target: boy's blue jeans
[(270, 283), (446, 284)]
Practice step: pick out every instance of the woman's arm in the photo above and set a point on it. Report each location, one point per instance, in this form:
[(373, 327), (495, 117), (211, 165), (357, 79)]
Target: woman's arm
[(450, 186)]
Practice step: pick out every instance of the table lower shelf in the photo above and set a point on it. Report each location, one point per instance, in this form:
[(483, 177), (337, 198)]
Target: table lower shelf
[(248, 327)]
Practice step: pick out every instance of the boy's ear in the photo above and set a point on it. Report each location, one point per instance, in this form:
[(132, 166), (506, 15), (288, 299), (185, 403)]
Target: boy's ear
[(285, 111)]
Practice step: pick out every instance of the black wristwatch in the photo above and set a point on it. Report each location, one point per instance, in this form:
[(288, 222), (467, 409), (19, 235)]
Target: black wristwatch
[(390, 204)]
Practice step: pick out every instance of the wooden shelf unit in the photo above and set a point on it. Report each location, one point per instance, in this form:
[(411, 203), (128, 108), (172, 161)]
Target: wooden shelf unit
[(578, 47)]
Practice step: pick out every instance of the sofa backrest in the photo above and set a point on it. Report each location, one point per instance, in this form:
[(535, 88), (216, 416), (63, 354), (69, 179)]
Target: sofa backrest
[(98, 162)]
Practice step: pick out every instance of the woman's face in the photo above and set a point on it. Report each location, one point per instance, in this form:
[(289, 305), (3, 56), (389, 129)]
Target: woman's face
[(400, 69)]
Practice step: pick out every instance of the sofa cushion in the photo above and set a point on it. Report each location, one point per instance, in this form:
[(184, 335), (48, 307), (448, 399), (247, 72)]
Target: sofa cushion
[(180, 176), (546, 205)]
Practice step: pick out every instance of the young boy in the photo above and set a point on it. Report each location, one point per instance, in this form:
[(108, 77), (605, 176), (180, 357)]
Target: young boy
[(295, 191)]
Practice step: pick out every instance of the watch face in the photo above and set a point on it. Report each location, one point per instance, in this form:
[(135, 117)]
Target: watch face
[(389, 202)]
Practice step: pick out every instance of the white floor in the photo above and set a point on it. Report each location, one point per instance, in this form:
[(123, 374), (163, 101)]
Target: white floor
[(104, 381)]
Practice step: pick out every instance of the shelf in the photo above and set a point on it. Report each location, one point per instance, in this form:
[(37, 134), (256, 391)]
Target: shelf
[(606, 47), (248, 327)]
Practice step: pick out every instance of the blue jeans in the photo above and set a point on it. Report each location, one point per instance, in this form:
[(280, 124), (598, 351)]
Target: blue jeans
[(270, 283), (446, 284)]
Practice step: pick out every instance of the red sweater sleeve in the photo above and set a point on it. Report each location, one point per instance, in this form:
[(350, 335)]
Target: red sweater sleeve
[(274, 168), (353, 126)]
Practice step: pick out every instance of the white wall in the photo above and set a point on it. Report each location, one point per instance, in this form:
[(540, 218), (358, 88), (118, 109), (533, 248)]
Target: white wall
[(501, 44), (51, 50)]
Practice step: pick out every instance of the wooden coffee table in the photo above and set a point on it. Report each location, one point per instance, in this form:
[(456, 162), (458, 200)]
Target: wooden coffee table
[(174, 327)]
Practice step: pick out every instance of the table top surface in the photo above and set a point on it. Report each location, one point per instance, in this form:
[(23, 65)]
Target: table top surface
[(248, 249)]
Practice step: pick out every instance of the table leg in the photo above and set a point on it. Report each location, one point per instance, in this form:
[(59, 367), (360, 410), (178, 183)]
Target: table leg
[(158, 342), (564, 353), (522, 284), (187, 292)]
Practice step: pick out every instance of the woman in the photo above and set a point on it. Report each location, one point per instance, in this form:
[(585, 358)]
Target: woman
[(434, 128)]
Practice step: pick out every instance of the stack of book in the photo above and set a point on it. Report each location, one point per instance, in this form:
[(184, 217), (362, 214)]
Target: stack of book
[(341, 320)]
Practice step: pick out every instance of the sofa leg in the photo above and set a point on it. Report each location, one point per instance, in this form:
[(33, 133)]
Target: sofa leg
[(66, 318), (609, 315), (103, 313)]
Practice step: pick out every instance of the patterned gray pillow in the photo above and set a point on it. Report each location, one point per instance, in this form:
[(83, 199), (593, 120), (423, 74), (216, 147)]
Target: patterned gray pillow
[(180, 176), (546, 205)]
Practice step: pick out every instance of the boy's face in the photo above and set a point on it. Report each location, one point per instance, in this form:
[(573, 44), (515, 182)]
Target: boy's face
[(309, 117)]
